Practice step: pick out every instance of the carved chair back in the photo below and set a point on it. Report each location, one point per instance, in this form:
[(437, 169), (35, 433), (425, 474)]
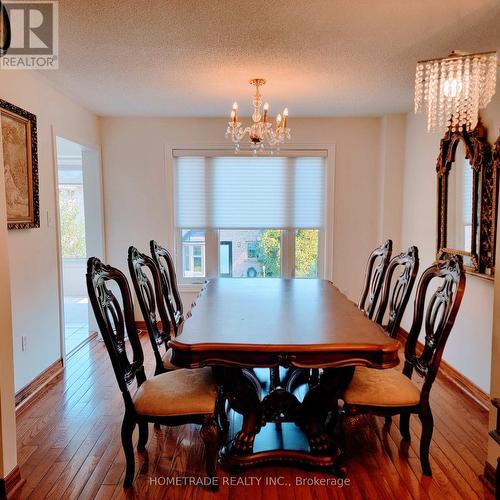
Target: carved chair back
[(150, 297), (165, 263), (374, 278), (398, 284), (116, 323), (438, 316)]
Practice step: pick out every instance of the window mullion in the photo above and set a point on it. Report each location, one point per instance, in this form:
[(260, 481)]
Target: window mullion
[(321, 254), (288, 239), (283, 253), (287, 253), (178, 252)]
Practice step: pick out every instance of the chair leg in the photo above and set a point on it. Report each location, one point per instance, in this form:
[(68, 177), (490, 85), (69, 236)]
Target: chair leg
[(313, 378), (404, 426), (274, 378), (143, 436), (221, 412), (341, 421), (425, 441), (211, 435), (128, 427)]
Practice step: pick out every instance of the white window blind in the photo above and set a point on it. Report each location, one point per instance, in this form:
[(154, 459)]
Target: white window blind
[(241, 192)]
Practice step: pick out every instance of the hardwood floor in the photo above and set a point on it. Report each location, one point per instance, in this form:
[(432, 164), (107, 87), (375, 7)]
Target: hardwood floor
[(69, 447)]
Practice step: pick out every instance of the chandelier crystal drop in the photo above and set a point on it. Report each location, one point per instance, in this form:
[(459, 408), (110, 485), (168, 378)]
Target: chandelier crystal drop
[(262, 132), (454, 89)]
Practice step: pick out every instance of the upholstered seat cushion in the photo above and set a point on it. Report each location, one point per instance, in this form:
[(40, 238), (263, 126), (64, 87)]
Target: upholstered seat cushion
[(371, 387), (167, 361), (176, 393)]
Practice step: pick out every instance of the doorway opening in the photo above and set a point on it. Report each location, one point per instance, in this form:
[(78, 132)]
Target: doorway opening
[(80, 236)]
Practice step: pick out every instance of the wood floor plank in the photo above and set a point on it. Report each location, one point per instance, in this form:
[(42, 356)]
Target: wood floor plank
[(396, 463), (69, 447), (105, 492)]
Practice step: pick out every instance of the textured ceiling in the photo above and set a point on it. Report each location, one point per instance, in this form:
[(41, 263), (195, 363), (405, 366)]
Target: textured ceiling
[(321, 58)]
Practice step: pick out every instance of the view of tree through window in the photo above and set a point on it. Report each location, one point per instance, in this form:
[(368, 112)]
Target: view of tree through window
[(269, 254), (249, 253), (72, 222), (306, 253)]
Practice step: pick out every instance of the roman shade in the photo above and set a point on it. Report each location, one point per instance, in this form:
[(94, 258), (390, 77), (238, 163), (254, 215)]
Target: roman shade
[(247, 192)]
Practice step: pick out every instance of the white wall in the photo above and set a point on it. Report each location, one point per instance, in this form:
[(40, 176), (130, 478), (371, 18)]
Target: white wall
[(493, 446), (392, 156), (492, 121), (469, 347), (8, 448), (135, 183), (33, 252)]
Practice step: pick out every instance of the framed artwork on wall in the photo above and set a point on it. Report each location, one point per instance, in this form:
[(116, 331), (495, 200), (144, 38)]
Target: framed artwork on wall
[(20, 164)]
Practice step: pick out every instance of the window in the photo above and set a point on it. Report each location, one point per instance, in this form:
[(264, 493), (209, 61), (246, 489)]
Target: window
[(193, 253), (72, 212), (248, 216), (252, 250)]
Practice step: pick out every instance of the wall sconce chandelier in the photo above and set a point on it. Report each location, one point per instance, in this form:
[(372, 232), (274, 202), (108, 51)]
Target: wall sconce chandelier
[(262, 132), (454, 89)]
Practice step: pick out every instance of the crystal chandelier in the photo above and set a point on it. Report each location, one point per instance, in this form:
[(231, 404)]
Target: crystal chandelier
[(261, 132), (454, 89)]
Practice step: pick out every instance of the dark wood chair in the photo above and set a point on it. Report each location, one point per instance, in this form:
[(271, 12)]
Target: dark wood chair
[(390, 392), (177, 397), (165, 264), (398, 284), (150, 297), (374, 278)]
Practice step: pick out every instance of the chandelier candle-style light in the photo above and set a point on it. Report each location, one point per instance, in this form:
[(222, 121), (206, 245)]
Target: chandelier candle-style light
[(262, 132), (454, 89)]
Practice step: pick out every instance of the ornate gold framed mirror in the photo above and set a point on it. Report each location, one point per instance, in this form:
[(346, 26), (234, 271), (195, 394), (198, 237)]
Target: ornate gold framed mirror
[(467, 199)]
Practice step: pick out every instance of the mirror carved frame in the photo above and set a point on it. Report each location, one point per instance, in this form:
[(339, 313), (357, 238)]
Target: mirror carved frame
[(484, 197)]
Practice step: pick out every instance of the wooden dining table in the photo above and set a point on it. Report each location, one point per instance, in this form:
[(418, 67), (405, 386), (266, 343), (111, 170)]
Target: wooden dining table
[(282, 351)]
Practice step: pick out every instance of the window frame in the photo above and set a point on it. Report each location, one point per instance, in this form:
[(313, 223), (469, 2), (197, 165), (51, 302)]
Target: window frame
[(326, 234)]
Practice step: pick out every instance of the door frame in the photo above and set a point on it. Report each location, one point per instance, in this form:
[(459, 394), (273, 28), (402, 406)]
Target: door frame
[(56, 221)]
